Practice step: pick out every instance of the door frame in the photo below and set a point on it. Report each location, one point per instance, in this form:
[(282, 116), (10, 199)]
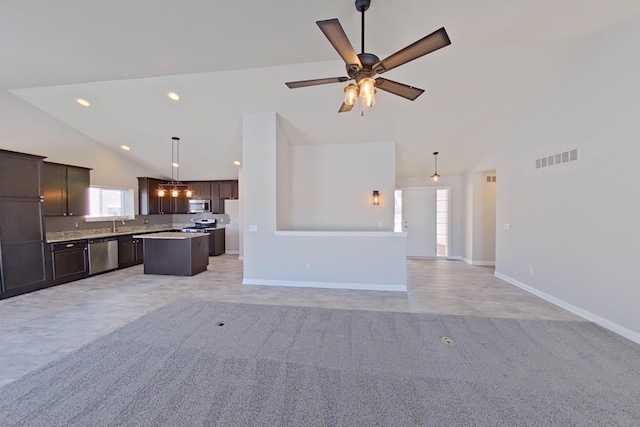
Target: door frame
[(436, 187)]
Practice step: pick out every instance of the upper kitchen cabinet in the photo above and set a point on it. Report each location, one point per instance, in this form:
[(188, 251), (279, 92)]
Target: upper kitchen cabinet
[(228, 189), (19, 175), (148, 196), (201, 190), (65, 189)]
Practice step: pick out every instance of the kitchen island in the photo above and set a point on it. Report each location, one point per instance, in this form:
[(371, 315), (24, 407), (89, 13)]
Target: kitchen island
[(177, 254)]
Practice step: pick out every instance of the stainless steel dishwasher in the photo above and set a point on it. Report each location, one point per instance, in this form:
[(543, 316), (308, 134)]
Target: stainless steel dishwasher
[(103, 254)]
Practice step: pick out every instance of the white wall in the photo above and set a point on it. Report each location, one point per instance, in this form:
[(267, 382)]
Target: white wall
[(454, 184), (23, 125), (332, 186), (289, 258), (576, 224), (283, 178)]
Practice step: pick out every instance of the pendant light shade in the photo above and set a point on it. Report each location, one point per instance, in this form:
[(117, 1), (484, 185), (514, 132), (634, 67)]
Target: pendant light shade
[(435, 177)]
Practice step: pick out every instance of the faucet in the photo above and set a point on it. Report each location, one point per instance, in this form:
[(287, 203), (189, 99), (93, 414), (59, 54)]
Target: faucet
[(114, 222)]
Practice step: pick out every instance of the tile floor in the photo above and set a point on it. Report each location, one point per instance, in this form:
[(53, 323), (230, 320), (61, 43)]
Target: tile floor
[(42, 326)]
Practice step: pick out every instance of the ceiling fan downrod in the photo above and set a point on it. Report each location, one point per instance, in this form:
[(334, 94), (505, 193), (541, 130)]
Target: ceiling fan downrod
[(362, 6)]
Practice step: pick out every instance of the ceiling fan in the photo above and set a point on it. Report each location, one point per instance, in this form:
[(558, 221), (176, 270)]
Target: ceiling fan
[(363, 67)]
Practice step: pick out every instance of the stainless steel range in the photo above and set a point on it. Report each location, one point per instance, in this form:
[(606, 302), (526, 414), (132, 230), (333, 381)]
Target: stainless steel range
[(201, 225)]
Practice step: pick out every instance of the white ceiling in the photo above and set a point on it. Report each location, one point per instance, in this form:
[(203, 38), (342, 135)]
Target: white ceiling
[(225, 58)]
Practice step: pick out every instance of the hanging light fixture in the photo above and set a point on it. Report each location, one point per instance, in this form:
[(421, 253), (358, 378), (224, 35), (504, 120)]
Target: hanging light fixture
[(435, 176), (175, 186)]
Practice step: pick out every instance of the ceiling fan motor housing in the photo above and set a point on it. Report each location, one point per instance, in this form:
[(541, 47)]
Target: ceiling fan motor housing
[(368, 60)]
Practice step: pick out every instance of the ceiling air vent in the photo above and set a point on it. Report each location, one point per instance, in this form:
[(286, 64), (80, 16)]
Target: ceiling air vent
[(556, 159)]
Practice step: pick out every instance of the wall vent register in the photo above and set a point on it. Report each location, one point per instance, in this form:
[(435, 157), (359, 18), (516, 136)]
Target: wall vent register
[(556, 159)]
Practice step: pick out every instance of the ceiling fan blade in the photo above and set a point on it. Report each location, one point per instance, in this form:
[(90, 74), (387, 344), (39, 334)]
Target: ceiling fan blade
[(399, 89), (432, 42), (344, 108), (337, 37), (315, 82)]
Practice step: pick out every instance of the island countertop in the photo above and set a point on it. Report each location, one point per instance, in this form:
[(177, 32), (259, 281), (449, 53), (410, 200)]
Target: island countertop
[(171, 235)]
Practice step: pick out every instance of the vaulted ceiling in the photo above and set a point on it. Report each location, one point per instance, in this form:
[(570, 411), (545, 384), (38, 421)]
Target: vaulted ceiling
[(229, 58)]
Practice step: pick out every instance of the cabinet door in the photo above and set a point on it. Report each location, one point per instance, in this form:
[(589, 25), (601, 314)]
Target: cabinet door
[(139, 248), (54, 189), (126, 252), (19, 176), (78, 182), (226, 189), (70, 265), (201, 190), (214, 187), (22, 264)]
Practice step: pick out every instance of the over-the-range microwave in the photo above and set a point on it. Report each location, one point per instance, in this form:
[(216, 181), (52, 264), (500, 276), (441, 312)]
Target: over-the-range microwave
[(198, 206)]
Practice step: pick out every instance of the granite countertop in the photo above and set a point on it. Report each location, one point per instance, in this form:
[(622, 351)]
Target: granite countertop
[(64, 236), (170, 235)]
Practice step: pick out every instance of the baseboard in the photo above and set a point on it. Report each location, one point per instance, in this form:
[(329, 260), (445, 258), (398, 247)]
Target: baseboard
[(605, 323), (480, 263), (484, 263), (232, 252), (327, 285)]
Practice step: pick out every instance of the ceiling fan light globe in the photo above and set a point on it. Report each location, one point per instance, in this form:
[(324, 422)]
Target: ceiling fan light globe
[(367, 87), (369, 100), (350, 94)]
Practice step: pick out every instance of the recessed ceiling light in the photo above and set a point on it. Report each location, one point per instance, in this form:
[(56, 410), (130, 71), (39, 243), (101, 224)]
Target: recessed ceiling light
[(125, 147), (174, 96), (83, 102), (237, 163)]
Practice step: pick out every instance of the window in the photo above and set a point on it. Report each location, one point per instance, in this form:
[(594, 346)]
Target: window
[(442, 222), (105, 202), (397, 212)]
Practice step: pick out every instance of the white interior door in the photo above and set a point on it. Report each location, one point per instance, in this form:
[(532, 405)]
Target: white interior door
[(419, 221)]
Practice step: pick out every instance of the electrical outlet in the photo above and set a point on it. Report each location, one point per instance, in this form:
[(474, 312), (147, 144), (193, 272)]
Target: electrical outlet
[(76, 225), (146, 221), (308, 266), (506, 226), (530, 270), (379, 225)]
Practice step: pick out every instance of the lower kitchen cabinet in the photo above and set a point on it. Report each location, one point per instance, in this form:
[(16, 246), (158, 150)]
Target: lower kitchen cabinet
[(69, 261), (130, 251), (216, 242)]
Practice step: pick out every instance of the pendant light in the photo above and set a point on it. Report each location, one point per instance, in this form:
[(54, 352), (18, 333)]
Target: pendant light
[(175, 187), (435, 175)]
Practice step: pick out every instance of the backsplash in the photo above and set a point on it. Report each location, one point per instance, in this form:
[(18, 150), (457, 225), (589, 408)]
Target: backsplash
[(65, 224)]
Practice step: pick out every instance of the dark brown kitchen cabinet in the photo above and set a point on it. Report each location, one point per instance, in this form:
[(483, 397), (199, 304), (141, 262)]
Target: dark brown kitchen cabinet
[(23, 266), (69, 261), (215, 197), (216, 242), (65, 189), (130, 251), (201, 190), (229, 189)]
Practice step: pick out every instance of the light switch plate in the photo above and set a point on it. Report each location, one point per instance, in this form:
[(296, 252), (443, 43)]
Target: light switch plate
[(253, 228)]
